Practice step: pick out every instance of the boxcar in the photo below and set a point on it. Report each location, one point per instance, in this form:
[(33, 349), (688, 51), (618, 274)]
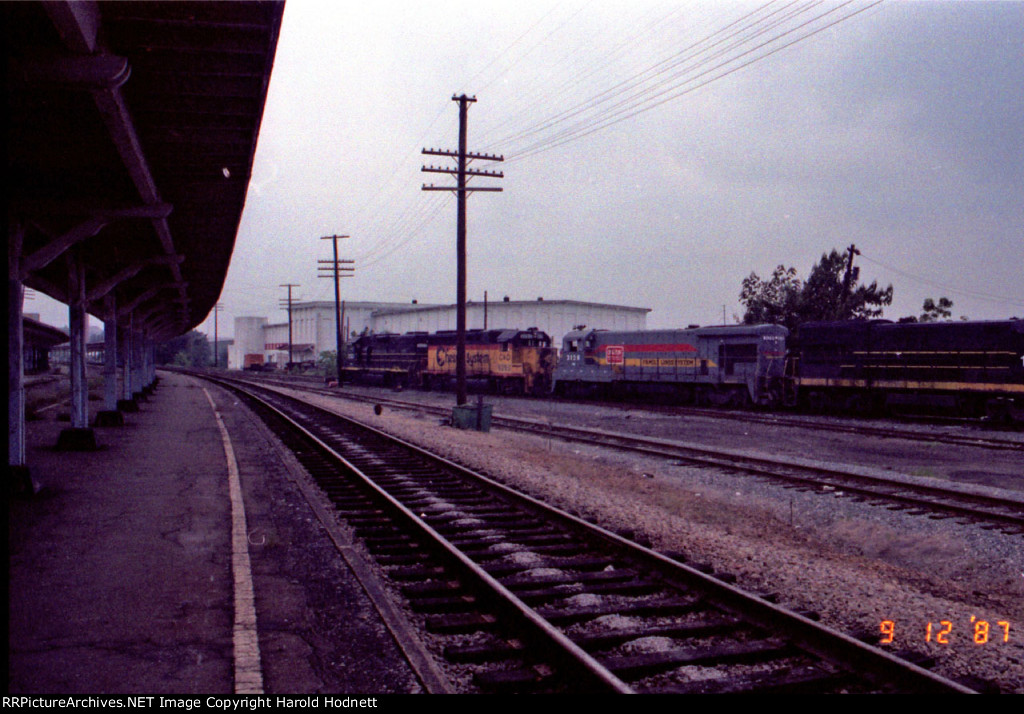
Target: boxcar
[(962, 368), (735, 365)]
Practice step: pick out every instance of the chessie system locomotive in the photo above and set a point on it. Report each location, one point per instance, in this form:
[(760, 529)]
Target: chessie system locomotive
[(504, 361), (961, 368)]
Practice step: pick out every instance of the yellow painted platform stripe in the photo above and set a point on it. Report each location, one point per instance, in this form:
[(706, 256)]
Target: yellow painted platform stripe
[(248, 673)]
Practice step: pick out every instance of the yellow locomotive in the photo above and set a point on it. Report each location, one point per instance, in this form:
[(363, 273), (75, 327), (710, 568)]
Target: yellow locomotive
[(504, 361)]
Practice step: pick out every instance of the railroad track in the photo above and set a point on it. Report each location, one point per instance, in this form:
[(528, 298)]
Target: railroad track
[(912, 496), (1006, 514), (774, 420), (846, 427), (526, 598)]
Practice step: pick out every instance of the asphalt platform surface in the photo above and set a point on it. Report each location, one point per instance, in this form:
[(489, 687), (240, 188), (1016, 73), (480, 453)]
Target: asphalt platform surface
[(120, 568)]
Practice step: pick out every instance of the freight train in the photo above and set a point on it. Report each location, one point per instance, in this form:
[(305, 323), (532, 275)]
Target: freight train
[(861, 367)]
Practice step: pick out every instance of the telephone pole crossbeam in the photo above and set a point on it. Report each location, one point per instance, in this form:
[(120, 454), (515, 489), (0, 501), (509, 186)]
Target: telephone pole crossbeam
[(432, 187), (461, 190), (444, 170)]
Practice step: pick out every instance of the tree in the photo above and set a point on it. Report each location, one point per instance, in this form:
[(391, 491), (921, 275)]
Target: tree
[(774, 301), (328, 363), (933, 312), (190, 349), (830, 293)]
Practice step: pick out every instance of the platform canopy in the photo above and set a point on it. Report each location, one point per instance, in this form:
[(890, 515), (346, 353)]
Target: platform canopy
[(131, 132)]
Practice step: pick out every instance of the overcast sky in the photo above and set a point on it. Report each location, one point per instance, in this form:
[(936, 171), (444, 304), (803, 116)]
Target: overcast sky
[(899, 129)]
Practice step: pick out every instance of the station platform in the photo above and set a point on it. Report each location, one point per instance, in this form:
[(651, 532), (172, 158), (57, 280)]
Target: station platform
[(122, 576)]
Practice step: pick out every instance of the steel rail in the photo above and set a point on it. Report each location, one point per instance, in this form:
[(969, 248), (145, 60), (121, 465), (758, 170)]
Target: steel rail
[(823, 642), (566, 651), (783, 420), (797, 422), (1004, 512)]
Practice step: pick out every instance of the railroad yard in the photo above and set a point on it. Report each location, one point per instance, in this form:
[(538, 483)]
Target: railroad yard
[(855, 564), (916, 583), (593, 480)]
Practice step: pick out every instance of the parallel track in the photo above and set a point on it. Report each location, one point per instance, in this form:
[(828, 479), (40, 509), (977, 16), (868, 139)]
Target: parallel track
[(528, 598), (1005, 514), (847, 426)]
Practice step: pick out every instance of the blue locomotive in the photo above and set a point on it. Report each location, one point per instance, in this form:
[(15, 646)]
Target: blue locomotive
[(725, 366)]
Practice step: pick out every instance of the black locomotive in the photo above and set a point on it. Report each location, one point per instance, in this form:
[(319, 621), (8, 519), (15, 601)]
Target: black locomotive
[(962, 368)]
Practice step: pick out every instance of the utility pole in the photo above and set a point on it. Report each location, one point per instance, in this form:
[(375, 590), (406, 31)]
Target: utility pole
[(329, 269), (289, 308), (462, 190), (848, 278), (216, 349)]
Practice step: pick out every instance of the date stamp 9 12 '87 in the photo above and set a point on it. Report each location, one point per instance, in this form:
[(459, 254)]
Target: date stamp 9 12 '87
[(947, 632)]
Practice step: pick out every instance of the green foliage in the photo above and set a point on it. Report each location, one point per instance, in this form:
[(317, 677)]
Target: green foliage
[(933, 312), (191, 349), (327, 363), (830, 293), (773, 301)]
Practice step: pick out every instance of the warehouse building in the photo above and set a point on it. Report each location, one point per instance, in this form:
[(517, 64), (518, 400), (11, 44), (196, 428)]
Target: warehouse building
[(313, 324)]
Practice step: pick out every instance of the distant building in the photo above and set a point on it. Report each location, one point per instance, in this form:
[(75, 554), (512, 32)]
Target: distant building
[(39, 340), (313, 323)]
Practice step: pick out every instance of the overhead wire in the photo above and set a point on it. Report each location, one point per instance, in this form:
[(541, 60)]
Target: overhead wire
[(596, 100), (713, 57), (423, 210), (574, 79), (988, 297), (628, 110), (516, 42), (394, 224)]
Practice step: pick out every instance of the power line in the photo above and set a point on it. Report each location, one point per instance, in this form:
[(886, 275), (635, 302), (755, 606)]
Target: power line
[(631, 42), (717, 54), (988, 297), (420, 214), (517, 41), (608, 94), (627, 111)]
